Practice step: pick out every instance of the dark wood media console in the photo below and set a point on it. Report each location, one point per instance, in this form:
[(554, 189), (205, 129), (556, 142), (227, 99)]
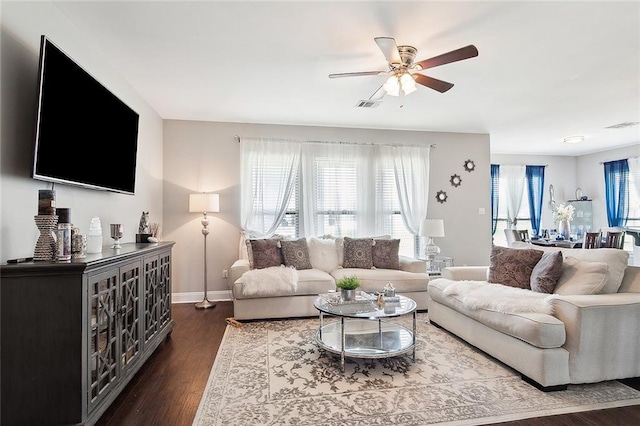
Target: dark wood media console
[(75, 333)]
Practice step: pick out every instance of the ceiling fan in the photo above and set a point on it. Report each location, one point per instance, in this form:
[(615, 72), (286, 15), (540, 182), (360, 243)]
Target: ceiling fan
[(404, 72)]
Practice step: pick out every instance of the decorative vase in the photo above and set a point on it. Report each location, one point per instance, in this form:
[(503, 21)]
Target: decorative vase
[(47, 244), (348, 295), (564, 229)]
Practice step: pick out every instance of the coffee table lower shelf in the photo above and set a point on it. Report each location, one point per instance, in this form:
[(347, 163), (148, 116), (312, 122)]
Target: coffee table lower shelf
[(365, 338)]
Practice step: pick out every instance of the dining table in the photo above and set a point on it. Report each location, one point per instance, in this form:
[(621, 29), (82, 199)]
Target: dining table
[(556, 243)]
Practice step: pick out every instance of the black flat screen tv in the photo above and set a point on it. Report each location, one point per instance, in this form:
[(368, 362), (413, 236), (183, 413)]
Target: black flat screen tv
[(85, 135)]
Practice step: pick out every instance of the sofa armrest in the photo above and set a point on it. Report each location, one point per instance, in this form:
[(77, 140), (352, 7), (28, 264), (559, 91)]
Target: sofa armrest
[(460, 273), (603, 331), (238, 268), (410, 264)]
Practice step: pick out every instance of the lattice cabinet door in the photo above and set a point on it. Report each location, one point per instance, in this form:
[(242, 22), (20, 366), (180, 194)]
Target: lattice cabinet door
[(164, 288), (103, 335), (130, 311), (151, 297)]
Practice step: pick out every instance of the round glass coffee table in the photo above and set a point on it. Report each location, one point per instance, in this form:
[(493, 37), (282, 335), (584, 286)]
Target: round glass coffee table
[(364, 329)]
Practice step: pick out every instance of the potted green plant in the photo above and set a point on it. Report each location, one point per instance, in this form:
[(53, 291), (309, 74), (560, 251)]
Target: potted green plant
[(348, 286)]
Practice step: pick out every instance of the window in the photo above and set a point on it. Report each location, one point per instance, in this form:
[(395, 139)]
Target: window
[(337, 189), (522, 219)]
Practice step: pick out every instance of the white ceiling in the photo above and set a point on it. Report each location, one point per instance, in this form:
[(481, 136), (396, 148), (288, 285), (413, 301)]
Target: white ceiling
[(545, 70)]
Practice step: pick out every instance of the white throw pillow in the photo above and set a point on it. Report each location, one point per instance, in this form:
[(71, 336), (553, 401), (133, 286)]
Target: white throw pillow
[(581, 277), (323, 254)]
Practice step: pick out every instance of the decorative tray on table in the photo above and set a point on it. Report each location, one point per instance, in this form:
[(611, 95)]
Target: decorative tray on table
[(361, 298)]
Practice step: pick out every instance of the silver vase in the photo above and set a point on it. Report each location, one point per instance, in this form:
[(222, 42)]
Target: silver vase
[(348, 295)]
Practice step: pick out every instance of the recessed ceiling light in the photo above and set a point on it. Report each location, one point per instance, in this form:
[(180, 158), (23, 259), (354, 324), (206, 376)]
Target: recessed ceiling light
[(573, 139)]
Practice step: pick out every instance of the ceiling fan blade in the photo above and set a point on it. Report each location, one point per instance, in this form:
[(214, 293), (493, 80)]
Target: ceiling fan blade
[(432, 83), (378, 94), (356, 74), (389, 48), (446, 58)]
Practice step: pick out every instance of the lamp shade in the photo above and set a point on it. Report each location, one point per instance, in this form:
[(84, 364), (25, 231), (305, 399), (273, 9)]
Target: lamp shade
[(431, 228), (200, 203)]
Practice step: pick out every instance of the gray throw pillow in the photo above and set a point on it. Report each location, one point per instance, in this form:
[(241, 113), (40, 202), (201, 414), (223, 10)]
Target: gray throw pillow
[(512, 267), (547, 272), (384, 254), (296, 253), (357, 253), (264, 253)]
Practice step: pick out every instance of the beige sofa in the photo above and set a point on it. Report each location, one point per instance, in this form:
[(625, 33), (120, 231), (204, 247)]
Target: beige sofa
[(589, 337), (409, 280)]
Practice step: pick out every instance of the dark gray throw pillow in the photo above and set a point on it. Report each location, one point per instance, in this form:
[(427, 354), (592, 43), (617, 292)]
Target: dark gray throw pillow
[(357, 253), (264, 253), (296, 253), (384, 254), (513, 267), (547, 272)]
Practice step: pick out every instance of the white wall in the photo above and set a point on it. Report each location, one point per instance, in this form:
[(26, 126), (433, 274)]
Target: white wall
[(204, 156), (22, 25)]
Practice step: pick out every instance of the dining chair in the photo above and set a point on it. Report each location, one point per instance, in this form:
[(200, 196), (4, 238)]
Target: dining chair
[(523, 234), (614, 239), (592, 240), (512, 236)]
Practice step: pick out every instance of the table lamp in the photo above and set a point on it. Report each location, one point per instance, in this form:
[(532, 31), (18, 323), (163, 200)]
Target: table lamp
[(431, 228), (204, 203)]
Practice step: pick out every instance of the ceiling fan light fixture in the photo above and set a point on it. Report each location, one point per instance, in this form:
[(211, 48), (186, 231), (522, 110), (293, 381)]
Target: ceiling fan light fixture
[(573, 139), (400, 81), (392, 86)]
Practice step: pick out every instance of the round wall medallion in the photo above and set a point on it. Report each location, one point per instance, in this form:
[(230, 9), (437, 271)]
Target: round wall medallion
[(469, 166), (441, 196), (455, 180)]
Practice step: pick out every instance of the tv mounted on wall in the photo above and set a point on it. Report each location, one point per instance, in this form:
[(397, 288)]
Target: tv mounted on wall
[(85, 135)]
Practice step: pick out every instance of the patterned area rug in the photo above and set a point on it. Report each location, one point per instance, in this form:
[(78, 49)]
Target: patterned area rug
[(272, 373)]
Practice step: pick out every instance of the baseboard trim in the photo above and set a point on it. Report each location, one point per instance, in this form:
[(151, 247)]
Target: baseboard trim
[(195, 297)]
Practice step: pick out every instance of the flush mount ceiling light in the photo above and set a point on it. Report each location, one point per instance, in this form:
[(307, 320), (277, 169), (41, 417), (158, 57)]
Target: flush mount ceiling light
[(573, 139)]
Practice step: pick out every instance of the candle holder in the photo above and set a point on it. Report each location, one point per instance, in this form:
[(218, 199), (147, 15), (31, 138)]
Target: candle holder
[(47, 244)]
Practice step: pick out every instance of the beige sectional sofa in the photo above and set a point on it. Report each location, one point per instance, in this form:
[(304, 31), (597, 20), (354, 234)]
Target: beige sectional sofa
[(327, 261), (587, 331)]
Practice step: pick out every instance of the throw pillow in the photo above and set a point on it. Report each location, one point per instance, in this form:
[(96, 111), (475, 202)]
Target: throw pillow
[(384, 254), (512, 267), (546, 273), (323, 254), (581, 277), (295, 253), (264, 253), (357, 253)]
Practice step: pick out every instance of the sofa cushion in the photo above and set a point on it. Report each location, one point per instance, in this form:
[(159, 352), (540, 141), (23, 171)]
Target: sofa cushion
[(580, 277), (323, 253), (264, 252), (310, 282), (512, 267), (357, 253), (295, 253), (545, 275), (540, 330), (384, 254), (373, 280), (616, 259)]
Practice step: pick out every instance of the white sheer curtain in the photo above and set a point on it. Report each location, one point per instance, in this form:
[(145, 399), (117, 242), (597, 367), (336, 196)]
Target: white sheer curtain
[(269, 169), (514, 177), (411, 172)]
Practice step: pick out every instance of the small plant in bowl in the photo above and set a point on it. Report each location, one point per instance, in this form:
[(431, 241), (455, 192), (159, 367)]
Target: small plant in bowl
[(348, 286)]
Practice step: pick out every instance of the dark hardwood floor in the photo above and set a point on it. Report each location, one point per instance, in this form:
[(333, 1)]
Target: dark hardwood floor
[(168, 388)]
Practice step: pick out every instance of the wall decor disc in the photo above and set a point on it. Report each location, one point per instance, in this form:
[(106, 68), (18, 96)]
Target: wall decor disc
[(455, 180), (441, 196), (469, 166)]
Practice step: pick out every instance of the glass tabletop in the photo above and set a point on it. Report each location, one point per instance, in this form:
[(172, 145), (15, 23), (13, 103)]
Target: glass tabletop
[(393, 307)]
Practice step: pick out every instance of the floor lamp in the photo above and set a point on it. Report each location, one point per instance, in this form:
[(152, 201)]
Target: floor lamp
[(204, 203)]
